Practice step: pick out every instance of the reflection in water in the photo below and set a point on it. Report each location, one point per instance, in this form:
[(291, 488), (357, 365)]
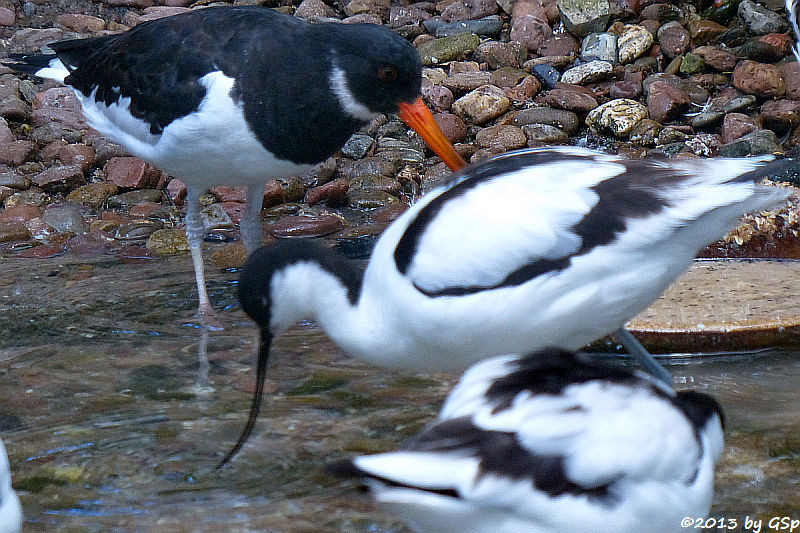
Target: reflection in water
[(115, 407)]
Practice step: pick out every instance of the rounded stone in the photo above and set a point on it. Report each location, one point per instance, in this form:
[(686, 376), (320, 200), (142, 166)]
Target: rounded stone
[(634, 42), (482, 105), (588, 72), (617, 117), (509, 137)]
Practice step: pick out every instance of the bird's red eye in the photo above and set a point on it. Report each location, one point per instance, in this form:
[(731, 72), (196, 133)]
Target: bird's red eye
[(386, 73)]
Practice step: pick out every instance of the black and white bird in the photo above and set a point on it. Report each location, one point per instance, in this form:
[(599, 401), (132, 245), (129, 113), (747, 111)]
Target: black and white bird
[(552, 247), (555, 442), (10, 508), (239, 95)]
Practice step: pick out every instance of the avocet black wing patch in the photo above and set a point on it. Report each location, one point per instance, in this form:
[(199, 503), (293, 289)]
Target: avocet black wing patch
[(512, 219)]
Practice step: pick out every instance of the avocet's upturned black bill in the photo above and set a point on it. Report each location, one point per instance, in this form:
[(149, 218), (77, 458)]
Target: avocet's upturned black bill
[(537, 248), (554, 442), (237, 96)]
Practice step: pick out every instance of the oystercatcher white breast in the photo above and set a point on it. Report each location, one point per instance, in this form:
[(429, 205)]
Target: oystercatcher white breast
[(553, 442), (539, 248), (10, 509), (238, 95)]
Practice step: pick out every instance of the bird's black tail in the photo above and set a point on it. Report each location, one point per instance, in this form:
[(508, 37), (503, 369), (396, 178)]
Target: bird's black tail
[(28, 63)]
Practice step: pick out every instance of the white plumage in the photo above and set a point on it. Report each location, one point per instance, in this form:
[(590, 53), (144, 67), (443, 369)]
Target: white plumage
[(596, 257), (10, 509), (554, 443), (539, 248)]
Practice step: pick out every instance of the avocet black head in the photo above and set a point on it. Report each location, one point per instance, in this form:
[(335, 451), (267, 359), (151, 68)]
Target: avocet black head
[(281, 284), (553, 443), (239, 95)]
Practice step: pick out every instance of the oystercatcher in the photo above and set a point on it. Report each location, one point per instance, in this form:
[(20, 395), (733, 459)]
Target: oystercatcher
[(239, 95), (10, 509), (531, 249), (553, 442)]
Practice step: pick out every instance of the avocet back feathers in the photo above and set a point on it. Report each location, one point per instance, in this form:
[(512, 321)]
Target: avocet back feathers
[(586, 446)]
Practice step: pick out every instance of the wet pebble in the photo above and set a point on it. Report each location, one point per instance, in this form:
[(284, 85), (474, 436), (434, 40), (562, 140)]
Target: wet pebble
[(780, 115), (357, 146), (509, 137), (617, 117), (93, 194), (759, 79), (565, 120), (599, 46), (760, 20), (488, 26), (544, 134), (633, 43), (448, 48), (582, 17), (131, 172), (482, 105), (305, 226), (369, 199), (130, 198), (666, 102), (15, 153), (65, 218), (757, 142), (673, 38), (168, 241), (588, 72), (60, 179), (20, 213), (547, 75), (572, 98), (332, 193), (736, 125), (139, 229), (13, 232)]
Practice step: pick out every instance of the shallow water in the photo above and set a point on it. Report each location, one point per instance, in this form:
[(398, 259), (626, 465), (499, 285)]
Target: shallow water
[(113, 422)]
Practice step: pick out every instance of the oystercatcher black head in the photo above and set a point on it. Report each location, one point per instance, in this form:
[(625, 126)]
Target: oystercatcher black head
[(239, 95)]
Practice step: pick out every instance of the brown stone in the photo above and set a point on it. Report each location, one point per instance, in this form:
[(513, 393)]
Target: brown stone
[(60, 178), (665, 101), (305, 226), (333, 193), (467, 81), (13, 231), (7, 17), (566, 97), (227, 193), (780, 41), (497, 54), (43, 251), (452, 126), (703, 31), (20, 213), (673, 38), (759, 79), (717, 58), (15, 153), (81, 23), (529, 24), (524, 91), (469, 10), (131, 172), (437, 97), (780, 115), (509, 137), (562, 44), (791, 76), (77, 154), (736, 125)]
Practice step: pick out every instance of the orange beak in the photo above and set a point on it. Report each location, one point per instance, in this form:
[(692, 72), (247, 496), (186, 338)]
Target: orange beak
[(417, 116)]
